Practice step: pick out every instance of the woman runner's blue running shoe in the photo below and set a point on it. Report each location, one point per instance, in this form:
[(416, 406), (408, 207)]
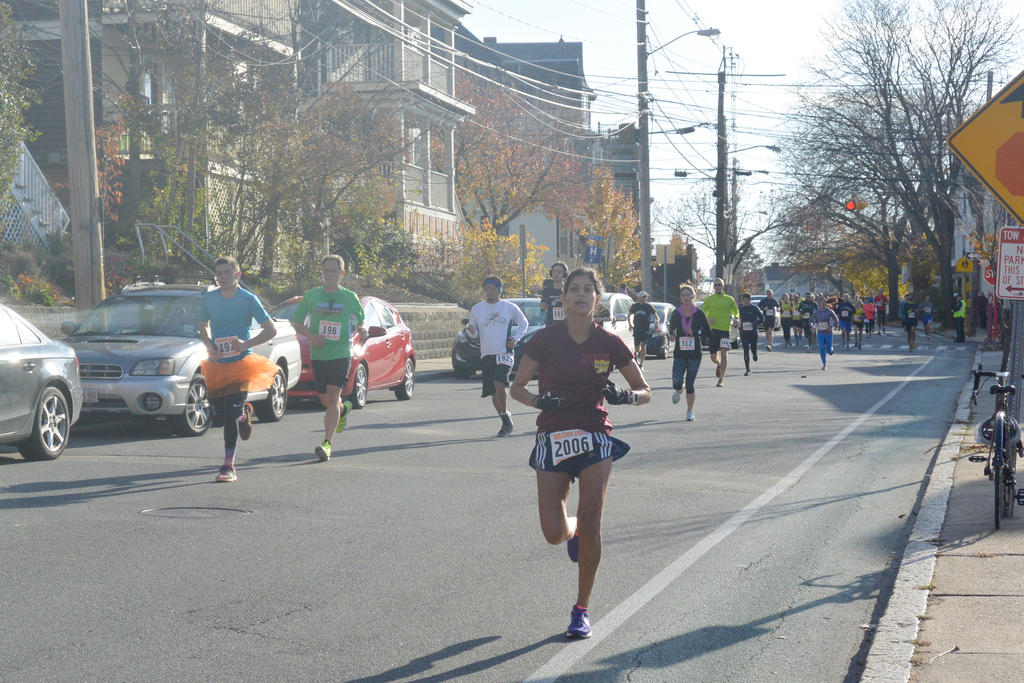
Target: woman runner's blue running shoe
[(579, 624), (572, 546)]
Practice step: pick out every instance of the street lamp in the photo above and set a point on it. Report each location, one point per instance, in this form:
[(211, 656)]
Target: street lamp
[(644, 162)]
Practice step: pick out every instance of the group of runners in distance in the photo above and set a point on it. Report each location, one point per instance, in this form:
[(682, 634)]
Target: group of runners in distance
[(573, 358)]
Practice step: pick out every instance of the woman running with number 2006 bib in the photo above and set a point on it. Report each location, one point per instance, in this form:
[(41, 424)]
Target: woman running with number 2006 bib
[(573, 432)]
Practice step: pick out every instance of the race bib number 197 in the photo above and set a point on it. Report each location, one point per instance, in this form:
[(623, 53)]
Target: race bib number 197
[(570, 443), (225, 346)]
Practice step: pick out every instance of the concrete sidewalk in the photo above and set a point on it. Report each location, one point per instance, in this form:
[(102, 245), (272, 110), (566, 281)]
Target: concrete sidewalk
[(973, 628)]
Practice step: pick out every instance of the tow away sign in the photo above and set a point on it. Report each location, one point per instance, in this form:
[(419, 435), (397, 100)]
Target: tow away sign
[(1010, 278)]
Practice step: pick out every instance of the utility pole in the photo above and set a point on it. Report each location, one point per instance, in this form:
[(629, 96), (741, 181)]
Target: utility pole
[(643, 106), (86, 228), (721, 195)]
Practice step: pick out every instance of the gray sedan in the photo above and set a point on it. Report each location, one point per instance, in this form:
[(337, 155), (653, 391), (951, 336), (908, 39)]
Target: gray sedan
[(40, 391)]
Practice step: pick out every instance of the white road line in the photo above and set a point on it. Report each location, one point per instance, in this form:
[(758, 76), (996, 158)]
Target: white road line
[(885, 346), (571, 654)]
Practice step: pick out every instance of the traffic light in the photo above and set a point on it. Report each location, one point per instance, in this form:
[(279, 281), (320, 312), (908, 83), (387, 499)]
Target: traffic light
[(855, 205)]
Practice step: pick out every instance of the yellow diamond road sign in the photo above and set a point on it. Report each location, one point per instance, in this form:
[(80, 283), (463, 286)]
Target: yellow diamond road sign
[(965, 265), (991, 144)]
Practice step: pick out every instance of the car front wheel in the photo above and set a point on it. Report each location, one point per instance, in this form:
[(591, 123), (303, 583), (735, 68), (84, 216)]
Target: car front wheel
[(50, 427), (195, 421), (271, 409), (360, 386), (404, 390)]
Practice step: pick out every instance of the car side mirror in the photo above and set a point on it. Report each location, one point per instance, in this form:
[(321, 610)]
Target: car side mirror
[(376, 331), (67, 327)]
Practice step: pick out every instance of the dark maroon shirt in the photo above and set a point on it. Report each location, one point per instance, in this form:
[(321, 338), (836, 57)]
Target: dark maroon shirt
[(577, 373)]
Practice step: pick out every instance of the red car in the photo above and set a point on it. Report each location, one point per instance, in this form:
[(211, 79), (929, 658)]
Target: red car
[(386, 360)]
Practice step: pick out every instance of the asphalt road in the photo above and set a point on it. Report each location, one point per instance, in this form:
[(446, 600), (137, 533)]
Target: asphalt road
[(756, 543)]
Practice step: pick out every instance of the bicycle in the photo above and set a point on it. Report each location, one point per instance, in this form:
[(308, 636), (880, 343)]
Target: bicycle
[(1002, 434)]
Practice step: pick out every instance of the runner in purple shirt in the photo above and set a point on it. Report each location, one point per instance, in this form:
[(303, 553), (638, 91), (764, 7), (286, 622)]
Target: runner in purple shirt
[(823, 320)]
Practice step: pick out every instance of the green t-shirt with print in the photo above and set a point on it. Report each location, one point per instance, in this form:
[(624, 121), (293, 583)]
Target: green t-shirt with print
[(330, 315)]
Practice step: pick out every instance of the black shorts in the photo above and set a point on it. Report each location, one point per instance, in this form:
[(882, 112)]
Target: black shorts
[(549, 456), (640, 336), (492, 371), (330, 373), (716, 340)]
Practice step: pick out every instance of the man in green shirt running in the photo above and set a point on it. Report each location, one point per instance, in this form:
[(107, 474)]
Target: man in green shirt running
[(329, 310), (721, 311)]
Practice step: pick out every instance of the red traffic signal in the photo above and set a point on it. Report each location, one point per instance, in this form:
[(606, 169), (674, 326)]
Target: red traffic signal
[(854, 205)]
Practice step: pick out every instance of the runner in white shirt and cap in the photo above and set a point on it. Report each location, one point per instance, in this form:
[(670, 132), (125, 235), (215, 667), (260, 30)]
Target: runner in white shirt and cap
[(492, 321)]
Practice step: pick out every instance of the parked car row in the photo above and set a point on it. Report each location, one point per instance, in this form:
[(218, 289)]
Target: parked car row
[(612, 313), (138, 353)]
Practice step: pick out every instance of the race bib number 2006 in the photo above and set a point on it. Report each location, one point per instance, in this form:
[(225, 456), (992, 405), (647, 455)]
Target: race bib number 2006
[(570, 443)]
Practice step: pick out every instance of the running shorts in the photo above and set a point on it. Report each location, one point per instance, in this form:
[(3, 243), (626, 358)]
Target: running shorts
[(845, 326), (909, 324), (716, 339), (492, 371), (927, 319), (332, 373), (573, 450)]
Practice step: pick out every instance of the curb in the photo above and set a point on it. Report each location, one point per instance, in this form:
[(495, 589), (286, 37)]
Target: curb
[(889, 658)]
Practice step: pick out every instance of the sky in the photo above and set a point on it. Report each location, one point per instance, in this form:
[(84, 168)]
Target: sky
[(776, 38), (765, 37)]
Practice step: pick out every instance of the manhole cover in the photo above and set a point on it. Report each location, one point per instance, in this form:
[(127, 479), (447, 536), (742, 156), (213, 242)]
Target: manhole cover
[(194, 512)]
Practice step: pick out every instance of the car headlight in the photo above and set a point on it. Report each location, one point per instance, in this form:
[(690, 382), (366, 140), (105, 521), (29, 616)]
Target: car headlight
[(154, 366)]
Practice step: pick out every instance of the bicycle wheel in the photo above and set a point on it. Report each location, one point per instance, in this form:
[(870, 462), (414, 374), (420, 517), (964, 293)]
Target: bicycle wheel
[(998, 454), (1010, 481)]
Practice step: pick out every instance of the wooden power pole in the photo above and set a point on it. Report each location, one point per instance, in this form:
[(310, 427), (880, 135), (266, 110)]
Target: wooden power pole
[(86, 229)]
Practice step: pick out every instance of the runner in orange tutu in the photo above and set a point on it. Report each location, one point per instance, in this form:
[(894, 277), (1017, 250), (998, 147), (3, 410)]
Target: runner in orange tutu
[(232, 371)]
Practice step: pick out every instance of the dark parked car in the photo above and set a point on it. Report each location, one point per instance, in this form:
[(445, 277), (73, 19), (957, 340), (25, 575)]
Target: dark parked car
[(658, 344), (386, 360), (466, 349), (40, 391)]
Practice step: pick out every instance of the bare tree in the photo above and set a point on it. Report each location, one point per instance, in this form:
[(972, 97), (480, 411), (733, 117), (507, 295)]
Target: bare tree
[(902, 77)]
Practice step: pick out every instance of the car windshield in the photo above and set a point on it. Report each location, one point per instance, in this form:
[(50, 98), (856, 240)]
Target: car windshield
[(531, 309), (173, 316), (284, 311)]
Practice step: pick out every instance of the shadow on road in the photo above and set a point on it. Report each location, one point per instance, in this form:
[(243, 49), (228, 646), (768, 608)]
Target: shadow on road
[(51, 493), (422, 665), (699, 642)]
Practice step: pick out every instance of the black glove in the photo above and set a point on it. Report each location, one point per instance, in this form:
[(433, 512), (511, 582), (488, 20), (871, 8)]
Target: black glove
[(616, 396), (547, 402)]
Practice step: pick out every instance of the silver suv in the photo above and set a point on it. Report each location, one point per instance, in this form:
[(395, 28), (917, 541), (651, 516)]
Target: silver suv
[(140, 351)]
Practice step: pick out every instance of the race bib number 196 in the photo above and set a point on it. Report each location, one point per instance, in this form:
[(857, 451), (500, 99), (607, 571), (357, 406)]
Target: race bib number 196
[(570, 443), (330, 330)]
